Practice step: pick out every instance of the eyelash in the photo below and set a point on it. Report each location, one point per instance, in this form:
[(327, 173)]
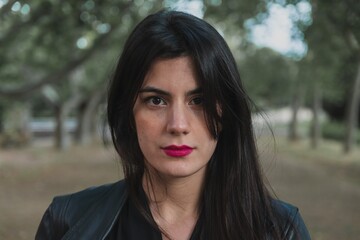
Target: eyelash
[(151, 98), (198, 98)]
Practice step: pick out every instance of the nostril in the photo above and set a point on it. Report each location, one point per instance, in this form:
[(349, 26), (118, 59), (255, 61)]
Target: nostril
[(178, 127), (178, 131)]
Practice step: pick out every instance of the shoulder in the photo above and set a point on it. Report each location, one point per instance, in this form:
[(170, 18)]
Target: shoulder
[(290, 222), (89, 195), (284, 209), (67, 211), (75, 204)]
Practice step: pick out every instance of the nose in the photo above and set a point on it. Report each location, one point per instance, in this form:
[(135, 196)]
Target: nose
[(178, 120)]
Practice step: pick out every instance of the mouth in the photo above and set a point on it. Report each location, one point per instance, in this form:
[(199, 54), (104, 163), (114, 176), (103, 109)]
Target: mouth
[(177, 151)]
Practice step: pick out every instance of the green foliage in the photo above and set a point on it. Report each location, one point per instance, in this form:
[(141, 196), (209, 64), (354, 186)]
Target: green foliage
[(56, 37), (267, 76), (53, 52), (336, 131), (234, 11), (52, 34), (331, 38)]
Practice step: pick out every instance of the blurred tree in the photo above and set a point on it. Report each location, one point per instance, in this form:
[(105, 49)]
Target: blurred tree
[(44, 43), (16, 129), (63, 100), (333, 39), (235, 12), (272, 79), (48, 41), (265, 72), (267, 76), (296, 102), (230, 17)]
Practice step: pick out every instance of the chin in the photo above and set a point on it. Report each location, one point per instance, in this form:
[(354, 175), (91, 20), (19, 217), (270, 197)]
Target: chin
[(179, 172)]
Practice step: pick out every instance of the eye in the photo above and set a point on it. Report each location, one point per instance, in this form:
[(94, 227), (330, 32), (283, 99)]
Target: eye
[(155, 101), (197, 100)]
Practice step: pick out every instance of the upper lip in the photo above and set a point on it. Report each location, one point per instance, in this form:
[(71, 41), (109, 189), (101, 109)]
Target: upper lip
[(177, 147)]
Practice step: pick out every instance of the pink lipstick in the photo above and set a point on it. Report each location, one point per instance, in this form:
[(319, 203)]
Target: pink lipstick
[(177, 151)]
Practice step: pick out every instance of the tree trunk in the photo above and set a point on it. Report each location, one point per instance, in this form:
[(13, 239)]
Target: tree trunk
[(79, 116), (352, 114), (88, 118), (61, 74), (62, 111), (61, 138), (315, 124), (295, 106), (16, 124), (293, 131), (1, 120)]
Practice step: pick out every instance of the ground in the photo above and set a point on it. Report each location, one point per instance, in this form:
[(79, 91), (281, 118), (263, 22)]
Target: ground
[(326, 190)]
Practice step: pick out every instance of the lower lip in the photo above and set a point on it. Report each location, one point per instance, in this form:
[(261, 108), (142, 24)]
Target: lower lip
[(178, 152)]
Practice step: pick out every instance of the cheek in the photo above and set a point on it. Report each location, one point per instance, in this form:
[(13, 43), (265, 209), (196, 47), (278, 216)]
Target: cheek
[(146, 127), (140, 130), (142, 137)]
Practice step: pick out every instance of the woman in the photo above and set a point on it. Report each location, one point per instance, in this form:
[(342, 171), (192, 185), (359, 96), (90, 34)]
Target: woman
[(180, 121)]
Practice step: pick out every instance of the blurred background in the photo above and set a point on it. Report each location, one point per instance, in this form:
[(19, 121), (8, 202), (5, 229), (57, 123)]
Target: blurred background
[(299, 60)]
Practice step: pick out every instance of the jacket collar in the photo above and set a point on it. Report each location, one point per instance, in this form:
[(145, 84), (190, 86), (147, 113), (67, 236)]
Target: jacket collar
[(97, 222)]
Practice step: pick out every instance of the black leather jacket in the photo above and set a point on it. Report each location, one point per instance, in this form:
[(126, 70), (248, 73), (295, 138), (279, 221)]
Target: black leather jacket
[(91, 214)]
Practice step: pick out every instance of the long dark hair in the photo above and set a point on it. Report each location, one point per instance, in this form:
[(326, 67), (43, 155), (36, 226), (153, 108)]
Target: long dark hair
[(236, 204)]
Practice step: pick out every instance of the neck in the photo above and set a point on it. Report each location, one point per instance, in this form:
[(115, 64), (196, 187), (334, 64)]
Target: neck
[(179, 196), (174, 203)]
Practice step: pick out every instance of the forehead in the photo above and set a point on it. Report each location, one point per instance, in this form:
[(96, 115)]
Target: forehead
[(175, 71)]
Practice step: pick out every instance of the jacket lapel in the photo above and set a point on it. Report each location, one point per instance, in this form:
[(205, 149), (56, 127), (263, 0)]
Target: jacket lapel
[(97, 222)]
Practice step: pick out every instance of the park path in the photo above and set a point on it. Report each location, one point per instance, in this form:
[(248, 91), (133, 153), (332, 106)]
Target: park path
[(328, 195)]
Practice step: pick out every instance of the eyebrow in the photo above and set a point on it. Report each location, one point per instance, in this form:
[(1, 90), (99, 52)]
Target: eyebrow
[(150, 89)]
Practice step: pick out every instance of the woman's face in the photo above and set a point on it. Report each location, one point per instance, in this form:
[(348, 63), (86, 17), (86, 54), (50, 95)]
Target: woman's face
[(170, 122)]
